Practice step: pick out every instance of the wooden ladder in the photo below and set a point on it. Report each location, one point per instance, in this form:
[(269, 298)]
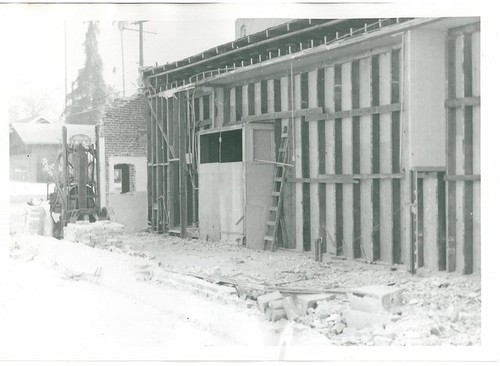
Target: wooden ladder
[(275, 209)]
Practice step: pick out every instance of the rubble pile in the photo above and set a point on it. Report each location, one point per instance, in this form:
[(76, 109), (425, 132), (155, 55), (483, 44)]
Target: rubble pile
[(434, 308), (102, 233)]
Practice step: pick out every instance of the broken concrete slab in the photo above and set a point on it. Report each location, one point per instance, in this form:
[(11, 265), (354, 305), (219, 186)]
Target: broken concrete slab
[(264, 300), (290, 308), (362, 319), (278, 314), (276, 304), (304, 302), (376, 299)]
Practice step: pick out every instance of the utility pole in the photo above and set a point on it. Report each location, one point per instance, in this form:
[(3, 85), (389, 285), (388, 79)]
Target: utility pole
[(141, 31), (141, 42), (65, 71)]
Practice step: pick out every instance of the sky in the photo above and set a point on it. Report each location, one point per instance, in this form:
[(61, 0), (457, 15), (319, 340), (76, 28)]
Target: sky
[(34, 37), (38, 53)]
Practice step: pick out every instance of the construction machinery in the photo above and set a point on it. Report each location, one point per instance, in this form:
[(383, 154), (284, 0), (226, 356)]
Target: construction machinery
[(75, 194)]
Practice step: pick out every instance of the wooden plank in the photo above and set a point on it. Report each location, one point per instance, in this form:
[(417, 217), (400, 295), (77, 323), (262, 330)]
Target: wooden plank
[(468, 191), (244, 97), (460, 130), (219, 107), (347, 163), (369, 176), (386, 220), (357, 112), (161, 192), (476, 87), (288, 211), (257, 98), (232, 104), (270, 117), (330, 162), (313, 156), (465, 177), (366, 143), (270, 96), (298, 166), (430, 224), (182, 163), (463, 102), (156, 143), (333, 180)]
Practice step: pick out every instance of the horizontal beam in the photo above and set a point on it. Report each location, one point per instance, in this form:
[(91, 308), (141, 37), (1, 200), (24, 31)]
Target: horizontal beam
[(468, 177), (462, 102), (157, 164), (281, 115), (323, 180), (356, 112), (364, 176), (272, 162)]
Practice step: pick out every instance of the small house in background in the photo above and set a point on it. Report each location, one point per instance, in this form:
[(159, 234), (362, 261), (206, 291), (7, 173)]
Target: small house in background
[(123, 161), (34, 141)]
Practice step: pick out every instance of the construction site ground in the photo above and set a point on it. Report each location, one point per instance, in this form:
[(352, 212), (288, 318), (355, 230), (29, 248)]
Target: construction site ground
[(438, 308)]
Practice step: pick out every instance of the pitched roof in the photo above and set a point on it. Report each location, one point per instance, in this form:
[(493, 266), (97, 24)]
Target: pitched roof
[(49, 134), (34, 119)]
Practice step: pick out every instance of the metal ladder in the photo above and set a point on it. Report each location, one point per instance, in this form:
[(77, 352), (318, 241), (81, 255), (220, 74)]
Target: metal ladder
[(276, 206)]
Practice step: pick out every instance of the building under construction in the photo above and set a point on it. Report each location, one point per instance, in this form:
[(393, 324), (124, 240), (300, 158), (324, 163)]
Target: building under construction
[(362, 134)]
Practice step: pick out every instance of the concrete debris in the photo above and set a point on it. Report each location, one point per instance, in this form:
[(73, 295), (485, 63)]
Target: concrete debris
[(305, 302), (290, 308), (363, 319), (376, 299), (276, 304), (263, 301)]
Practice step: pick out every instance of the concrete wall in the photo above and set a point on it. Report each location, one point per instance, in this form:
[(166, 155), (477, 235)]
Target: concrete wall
[(221, 201), (130, 209), (426, 88)]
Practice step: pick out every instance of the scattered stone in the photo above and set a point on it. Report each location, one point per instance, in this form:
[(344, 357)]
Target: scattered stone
[(414, 301), (334, 318), (338, 327), (304, 302), (435, 331)]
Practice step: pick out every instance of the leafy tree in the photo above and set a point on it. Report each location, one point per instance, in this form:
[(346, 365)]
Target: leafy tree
[(89, 94)]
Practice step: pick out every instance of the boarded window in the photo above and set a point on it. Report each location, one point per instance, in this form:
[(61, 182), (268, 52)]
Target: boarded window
[(209, 149), (221, 147), (231, 146)]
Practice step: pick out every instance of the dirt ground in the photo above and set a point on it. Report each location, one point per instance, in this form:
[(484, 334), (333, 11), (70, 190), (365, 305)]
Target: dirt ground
[(439, 308)]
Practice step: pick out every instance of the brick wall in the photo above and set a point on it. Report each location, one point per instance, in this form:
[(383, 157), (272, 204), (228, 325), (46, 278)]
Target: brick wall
[(124, 126)]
